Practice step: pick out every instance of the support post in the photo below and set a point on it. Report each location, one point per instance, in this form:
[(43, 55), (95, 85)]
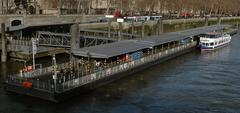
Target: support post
[(206, 20), (109, 28), (75, 38), (132, 29), (158, 27), (143, 29), (120, 31), (161, 24), (4, 48)]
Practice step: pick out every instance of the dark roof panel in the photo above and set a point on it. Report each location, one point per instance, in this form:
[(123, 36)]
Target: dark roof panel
[(112, 49)]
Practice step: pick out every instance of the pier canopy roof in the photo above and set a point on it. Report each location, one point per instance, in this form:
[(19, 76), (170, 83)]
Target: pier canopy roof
[(128, 46), (112, 49), (176, 36)]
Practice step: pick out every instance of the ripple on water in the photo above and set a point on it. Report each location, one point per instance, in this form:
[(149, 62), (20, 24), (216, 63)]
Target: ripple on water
[(126, 109)]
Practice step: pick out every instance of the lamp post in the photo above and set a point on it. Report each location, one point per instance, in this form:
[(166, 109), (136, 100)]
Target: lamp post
[(34, 51), (54, 63), (109, 17)]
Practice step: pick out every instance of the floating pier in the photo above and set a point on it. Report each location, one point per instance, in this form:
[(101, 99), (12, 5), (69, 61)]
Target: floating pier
[(94, 66)]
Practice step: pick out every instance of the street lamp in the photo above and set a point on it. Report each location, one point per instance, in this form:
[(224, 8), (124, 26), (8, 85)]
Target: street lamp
[(54, 63)]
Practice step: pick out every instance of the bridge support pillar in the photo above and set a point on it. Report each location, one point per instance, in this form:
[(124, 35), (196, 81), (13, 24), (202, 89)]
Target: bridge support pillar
[(4, 48), (75, 38)]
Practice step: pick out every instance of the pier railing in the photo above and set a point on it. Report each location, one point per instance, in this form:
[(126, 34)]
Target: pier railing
[(48, 71), (78, 78), (80, 81), (46, 86)]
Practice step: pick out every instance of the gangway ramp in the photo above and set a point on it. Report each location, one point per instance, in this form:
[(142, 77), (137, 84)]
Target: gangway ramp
[(62, 40)]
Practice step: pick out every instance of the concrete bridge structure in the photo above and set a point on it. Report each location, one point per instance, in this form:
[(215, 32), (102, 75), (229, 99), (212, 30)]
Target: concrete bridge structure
[(11, 20), (34, 20)]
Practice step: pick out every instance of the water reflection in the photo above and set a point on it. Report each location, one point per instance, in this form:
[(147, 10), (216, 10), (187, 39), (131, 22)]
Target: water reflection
[(211, 55), (194, 82)]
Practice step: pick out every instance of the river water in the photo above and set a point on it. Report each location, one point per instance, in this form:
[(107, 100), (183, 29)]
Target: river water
[(194, 82)]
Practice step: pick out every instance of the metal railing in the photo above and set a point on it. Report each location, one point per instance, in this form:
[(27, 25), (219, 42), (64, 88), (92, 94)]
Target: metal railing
[(16, 45), (46, 86), (78, 78), (79, 81)]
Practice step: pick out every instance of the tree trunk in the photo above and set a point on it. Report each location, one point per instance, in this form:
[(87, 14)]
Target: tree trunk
[(89, 7), (108, 5)]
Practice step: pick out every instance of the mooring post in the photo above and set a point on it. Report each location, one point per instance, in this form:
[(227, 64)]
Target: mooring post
[(143, 29), (4, 48), (75, 38), (206, 20)]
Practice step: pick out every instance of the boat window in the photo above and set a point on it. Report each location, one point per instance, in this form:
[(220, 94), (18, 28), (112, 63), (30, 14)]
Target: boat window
[(215, 43), (207, 44), (211, 44)]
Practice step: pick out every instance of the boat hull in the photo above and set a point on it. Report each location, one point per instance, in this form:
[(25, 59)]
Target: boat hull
[(214, 48)]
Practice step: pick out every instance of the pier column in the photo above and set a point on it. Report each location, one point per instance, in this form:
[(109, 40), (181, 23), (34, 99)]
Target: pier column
[(206, 20), (4, 48), (75, 38), (143, 29)]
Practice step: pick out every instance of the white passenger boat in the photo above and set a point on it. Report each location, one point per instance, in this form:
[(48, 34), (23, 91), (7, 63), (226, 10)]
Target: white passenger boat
[(214, 40)]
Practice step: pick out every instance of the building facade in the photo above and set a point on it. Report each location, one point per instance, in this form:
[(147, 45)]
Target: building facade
[(55, 6)]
